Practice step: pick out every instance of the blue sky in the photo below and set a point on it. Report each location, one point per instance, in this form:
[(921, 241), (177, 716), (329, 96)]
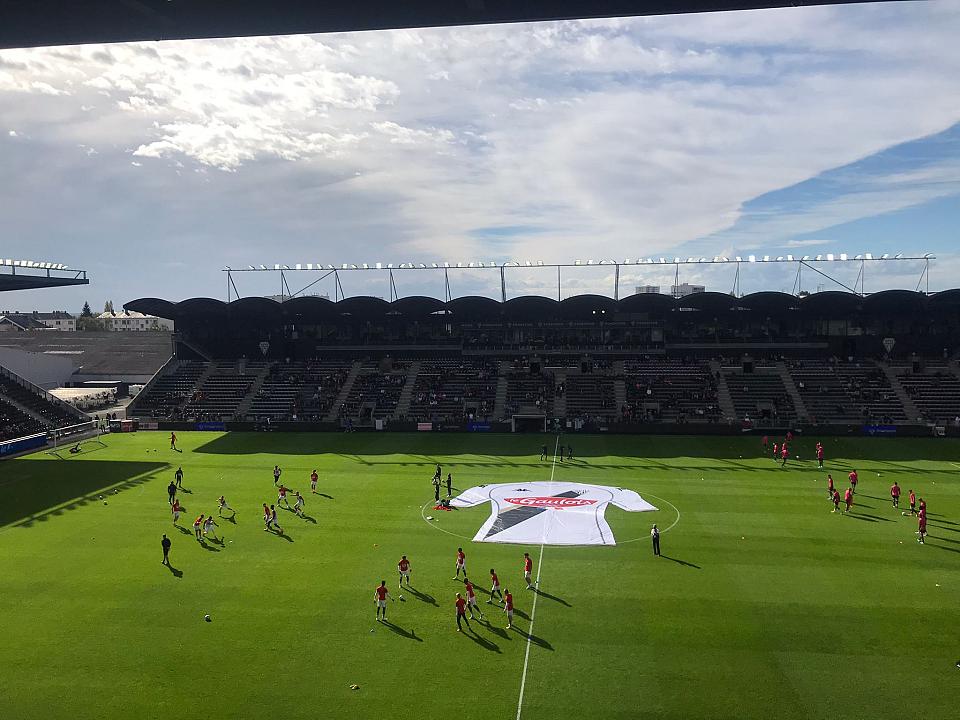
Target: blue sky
[(798, 130)]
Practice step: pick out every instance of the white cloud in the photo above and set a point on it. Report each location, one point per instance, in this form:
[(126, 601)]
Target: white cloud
[(626, 137)]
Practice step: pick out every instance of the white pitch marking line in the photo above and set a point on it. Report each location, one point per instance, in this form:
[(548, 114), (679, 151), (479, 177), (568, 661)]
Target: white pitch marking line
[(536, 594), (955, 465)]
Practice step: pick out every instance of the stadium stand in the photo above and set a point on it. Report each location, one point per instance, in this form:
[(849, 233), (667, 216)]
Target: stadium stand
[(669, 390), (374, 393), (452, 390), (935, 392), (839, 392), (593, 360), (760, 396), (25, 409)]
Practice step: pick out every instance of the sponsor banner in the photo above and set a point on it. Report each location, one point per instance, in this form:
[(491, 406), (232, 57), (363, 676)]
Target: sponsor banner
[(478, 427), (549, 513), (149, 425), (424, 426), (879, 429), (211, 426), (11, 447)]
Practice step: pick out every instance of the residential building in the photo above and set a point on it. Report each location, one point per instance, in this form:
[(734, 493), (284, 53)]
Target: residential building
[(679, 291), (20, 322), (125, 321), (647, 290)]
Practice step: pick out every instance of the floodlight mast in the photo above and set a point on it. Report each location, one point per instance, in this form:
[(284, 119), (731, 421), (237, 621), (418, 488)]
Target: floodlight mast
[(805, 261)]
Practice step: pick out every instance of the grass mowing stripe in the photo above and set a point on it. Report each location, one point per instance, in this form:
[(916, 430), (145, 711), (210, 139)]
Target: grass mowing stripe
[(536, 594)]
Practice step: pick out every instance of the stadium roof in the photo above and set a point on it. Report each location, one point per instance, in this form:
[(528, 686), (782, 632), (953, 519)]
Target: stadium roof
[(33, 275), (259, 310), (29, 23)]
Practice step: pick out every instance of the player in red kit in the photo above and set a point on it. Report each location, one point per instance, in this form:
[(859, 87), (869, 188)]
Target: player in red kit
[(461, 605), (836, 501), (921, 527), (923, 507), (789, 435), (403, 567), (853, 480), (895, 494), (848, 499), (471, 599), (494, 587), (830, 489), (380, 595), (528, 570), (784, 454), (776, 451), (819, 455), (913, 502), (461, 564), (313, 481), (765, 443), (173, 441), (508, 608)]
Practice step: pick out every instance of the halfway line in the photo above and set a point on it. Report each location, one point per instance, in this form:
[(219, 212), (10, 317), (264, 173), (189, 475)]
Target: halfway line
[(536, 594)]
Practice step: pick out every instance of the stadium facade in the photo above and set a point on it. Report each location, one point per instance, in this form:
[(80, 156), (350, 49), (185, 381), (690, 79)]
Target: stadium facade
[(706, 362)]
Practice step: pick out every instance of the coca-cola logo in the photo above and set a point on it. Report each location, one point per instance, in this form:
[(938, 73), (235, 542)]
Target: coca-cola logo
[(550, 502)]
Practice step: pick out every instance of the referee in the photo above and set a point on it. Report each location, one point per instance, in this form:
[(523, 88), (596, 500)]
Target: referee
[(165, 544), (655, 536)]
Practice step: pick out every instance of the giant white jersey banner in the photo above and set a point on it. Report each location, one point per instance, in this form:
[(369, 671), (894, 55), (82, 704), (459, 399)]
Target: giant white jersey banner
[(549, 513)]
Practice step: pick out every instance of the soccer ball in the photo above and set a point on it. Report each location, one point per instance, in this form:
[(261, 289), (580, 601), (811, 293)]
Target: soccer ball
[(401, 597), (207, 618)]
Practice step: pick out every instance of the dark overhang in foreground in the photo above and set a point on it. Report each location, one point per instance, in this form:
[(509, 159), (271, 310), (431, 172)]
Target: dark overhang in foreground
[(30, 23)]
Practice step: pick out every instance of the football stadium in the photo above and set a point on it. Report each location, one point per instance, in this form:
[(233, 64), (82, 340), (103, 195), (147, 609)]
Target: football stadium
[(546, 491)]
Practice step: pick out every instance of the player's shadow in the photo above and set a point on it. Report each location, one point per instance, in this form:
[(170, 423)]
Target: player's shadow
[(309, 519), (185, 490), (493, 628), (521, 614), (943, 527), (324, 495), (680, 562), (547, 595), (423, 597), (875, 518), (944, 547), (182, 529), (232, 519), (861, 516), (536, 640), (482, 641), (176, 572), (206, 546), (397, 630), (284, 536), (945, 539)]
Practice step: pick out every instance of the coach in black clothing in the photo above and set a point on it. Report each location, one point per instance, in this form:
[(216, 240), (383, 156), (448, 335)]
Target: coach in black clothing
[(165, 544), (655, 536), (171, 492)]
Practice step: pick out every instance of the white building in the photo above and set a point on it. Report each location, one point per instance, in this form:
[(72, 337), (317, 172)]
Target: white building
[(647, 290), (133, 322), (679, 291)]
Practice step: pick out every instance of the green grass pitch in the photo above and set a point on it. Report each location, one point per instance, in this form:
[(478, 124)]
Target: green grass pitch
[(766, 606)]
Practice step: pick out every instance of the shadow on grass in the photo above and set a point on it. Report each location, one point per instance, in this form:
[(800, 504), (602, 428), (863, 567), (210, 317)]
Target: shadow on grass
[(875, 518), (945, 539), (864, 518), (177, 573), (324, 495), (500, 632), (944, 547), (548, 596), (680, 562), (506, 450), (536, 640), (206, 546), (33, 491), (309, 519), (423, 597), (481, 641), (397, 630)]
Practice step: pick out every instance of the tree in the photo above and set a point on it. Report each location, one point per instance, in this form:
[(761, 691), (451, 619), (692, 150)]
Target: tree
[(86, 312), (108, 306)]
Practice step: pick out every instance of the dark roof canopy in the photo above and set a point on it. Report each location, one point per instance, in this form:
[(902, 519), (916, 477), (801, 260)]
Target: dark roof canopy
[(68, 22), (535, 308)]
